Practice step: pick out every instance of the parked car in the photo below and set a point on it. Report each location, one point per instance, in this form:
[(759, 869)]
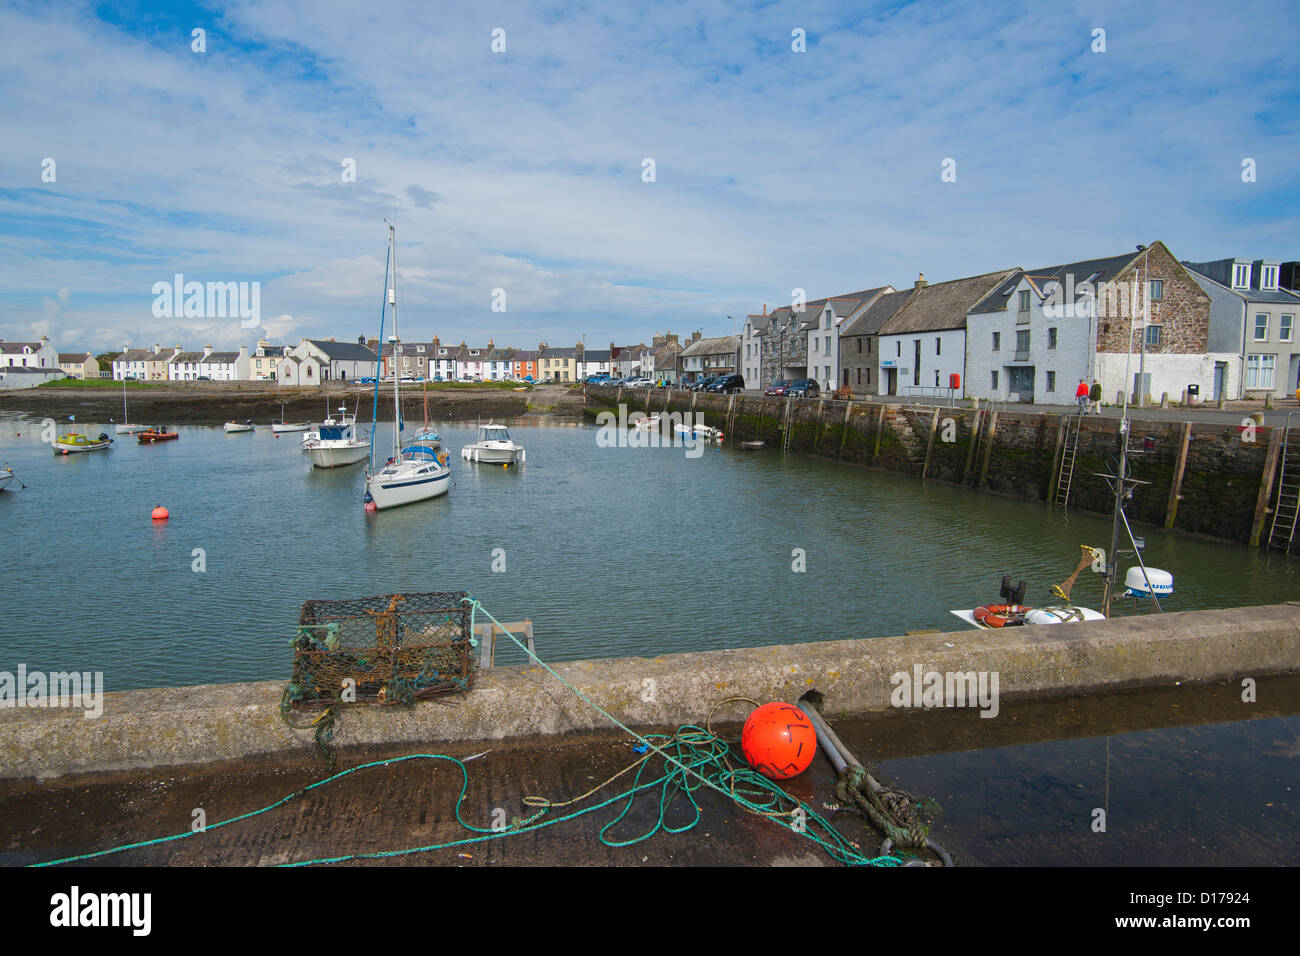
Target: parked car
[(639, 382), (804, 388), (777, 388), (601, 379), (701, 384), (728, 384)]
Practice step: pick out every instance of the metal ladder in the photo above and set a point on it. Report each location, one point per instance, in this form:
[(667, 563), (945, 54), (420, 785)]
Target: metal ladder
[(1065, 477), (731, 414), (1282, 534), (785, 427)]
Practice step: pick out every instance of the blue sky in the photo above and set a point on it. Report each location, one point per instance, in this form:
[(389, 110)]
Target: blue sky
[(522, 170)]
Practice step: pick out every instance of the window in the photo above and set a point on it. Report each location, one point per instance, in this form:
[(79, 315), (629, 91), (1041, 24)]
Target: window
[(859, 350), (898, 347), (1268, 278), (1241, 275), (1285, 328), (1260, 370), (868, 377), (936, 378), (1051, 381), (1156, 289), (997, 341), (1153, 336), (1261, 327), (1051, 341), (1022, 340), (995, 381), (938, 346), (1024, 301)]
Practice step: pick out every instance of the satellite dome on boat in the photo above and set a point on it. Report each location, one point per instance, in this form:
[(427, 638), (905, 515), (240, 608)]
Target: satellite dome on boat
[(1162, 582)]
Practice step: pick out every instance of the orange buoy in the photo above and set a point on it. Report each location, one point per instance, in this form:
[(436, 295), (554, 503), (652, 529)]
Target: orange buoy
[(161, 514), (371, 507), (779, 741)]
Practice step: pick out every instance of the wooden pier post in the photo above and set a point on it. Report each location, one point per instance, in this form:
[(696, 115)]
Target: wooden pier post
[(929, 446), (1171, 513), (976, 420), (844, 430), (1266, 486), (880, 429), (988, 451)]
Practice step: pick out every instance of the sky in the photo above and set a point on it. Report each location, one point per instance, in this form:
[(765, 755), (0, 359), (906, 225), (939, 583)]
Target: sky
[(524, 168)]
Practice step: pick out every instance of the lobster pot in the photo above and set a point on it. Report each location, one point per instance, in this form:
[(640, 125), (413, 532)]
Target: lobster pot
[(392, 649)]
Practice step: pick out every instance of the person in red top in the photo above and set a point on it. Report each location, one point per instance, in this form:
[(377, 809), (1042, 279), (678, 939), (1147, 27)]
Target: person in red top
[(1081, 396)]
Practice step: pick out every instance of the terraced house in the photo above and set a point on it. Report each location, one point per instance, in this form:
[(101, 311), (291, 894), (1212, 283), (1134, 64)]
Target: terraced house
[(860, 341), (1253, 317)]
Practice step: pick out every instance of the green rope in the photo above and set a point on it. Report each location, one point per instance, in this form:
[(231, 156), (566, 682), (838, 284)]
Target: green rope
[(895, 813), (698, 759)]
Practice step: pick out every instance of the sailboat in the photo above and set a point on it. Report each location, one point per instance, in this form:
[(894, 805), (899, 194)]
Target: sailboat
[(126, 428), (420, 469)]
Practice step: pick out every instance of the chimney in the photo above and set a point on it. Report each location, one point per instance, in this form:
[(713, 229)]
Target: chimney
[(156, 348), (243, 351), (920, 281), (361, 340), (695, 336), (765, 308), (207, 350)]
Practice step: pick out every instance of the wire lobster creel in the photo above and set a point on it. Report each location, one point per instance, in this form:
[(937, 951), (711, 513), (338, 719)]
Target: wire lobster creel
[(389, 649)]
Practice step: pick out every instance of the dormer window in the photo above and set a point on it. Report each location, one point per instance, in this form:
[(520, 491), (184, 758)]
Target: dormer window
[(1241, 275), (1268, 278)]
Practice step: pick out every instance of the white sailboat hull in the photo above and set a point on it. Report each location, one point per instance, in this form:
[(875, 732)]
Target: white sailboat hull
[(391, 491), (280, 428), (5, 478), (130, 429), (338, 454)]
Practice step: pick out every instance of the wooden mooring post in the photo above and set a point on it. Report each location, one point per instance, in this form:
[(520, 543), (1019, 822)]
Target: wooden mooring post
[(988, 449), (929, 446), (880, 430), (844, 430), (1266, 486), (1176, 487)]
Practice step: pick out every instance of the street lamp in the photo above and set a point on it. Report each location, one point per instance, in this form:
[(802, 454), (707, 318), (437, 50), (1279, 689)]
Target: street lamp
[(1146, 316)]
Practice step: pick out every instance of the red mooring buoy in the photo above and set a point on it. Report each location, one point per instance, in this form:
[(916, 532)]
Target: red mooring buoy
[(779, 740), (161, 514)]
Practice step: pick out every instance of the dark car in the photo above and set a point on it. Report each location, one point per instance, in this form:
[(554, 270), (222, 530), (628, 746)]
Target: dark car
[(703, 384), (803, 388), (777, 388), (728, 384)]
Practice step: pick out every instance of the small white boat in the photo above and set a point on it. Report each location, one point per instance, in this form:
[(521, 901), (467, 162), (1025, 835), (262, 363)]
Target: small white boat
[(6, 476), (126, 428), (282, 426), (72, 444), (699, 432), (494, 447), (649, 423), (232, 427), (338, 445)]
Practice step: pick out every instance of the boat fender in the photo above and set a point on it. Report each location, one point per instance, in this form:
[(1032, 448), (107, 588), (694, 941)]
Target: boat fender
[(442, 458)]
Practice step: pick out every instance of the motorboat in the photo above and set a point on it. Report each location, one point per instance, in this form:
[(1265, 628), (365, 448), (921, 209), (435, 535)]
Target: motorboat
[(72, 444), (126, 428), (156, 434), (419, 468), (699, 432), (6, 476), (235, 427), (494, 447), (649, 423), (338, 445)]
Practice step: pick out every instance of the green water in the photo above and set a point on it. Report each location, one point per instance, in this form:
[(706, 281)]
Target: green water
[(611, 551)]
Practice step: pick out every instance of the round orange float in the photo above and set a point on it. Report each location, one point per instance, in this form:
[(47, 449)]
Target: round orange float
[(161, 514), (779, 741), (1000, 615)]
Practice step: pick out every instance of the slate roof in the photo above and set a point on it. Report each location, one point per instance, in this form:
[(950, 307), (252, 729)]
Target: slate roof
[(943, 305), (344, 351), (722, 345), (73, 357), (1097, 271), (880, 312), (1220, 271)]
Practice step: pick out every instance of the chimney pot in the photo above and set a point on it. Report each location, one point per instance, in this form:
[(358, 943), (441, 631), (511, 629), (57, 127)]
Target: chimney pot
[(920, 280)]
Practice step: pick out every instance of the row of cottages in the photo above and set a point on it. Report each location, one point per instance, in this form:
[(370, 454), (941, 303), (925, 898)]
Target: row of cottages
[(210, 365), (1221, 328), (316, 361)]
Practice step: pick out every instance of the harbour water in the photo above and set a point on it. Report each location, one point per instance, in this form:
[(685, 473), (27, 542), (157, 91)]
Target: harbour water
[(610, 551)]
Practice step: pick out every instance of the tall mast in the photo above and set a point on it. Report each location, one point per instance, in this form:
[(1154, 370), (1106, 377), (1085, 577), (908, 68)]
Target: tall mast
[(397, 348)]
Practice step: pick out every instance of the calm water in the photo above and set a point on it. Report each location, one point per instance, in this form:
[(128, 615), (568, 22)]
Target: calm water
[(611, 551)]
